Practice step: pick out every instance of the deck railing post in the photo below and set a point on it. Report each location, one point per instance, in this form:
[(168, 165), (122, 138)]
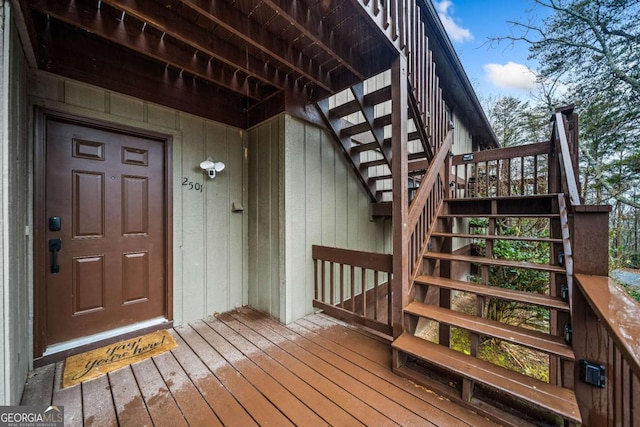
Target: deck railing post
[(400, 208)]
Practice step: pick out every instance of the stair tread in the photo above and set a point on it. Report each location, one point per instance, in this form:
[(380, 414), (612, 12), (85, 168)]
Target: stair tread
[(497, 237), (377, 162), (355, 129), (495, 262), (503, 215), (495, 292), (372, 98), (512, 197), (550, 344), (556, 399)]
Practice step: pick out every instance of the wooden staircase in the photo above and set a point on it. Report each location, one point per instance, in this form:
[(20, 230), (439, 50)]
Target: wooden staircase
[(359, 119), (505, 395)]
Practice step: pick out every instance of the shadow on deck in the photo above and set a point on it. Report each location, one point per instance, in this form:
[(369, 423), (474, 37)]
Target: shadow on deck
[(242, 368)]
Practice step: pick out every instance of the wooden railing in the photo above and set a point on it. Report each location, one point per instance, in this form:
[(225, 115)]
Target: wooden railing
[(404, 25), (567, 159), (354, 286), (607, 334), (520, 170), (423, 210)]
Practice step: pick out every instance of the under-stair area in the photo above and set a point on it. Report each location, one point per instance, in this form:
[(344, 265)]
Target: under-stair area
[(359, 119), (511, 396)]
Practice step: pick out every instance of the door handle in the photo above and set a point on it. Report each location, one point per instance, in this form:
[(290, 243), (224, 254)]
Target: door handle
[(54, 246)]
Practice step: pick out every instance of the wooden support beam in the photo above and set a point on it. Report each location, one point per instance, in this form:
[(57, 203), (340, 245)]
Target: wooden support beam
[(250, 32), (309, 22), (400, 206), (179, 28), (145, 79), (146, 43)]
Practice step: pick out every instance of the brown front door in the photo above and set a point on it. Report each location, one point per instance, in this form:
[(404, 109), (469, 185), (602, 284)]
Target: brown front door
[(105, 202)]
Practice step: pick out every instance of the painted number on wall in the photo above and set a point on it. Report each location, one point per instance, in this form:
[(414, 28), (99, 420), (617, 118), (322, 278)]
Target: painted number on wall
[(195, 186)]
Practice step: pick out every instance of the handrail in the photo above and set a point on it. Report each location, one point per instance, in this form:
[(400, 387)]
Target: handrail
[(423, 210), (527, 150), (565, 161), (607, 338), (617, 312), (427, 182)]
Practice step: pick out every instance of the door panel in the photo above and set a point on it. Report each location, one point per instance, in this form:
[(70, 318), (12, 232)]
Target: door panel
[(109, 190)]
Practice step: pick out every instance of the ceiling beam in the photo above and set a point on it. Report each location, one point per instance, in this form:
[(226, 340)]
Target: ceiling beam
[(97, 62), (309, 23), (95, 21), (166, 20), (243, 27)]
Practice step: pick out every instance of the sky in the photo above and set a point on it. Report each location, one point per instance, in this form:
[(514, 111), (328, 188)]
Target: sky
[(494, 70)]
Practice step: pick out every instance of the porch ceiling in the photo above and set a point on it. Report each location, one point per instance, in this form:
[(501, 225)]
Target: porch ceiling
[(241, 52)]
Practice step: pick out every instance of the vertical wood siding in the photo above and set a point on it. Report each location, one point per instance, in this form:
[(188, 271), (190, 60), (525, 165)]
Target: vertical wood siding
[(15, 213), (309, 197), (210, 250), (265, 194)]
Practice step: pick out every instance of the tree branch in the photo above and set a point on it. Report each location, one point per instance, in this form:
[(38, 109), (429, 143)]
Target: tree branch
[(616, 195)]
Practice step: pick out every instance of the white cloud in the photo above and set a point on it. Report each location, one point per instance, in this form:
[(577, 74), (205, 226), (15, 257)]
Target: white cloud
[(510, 76), (455, 31)]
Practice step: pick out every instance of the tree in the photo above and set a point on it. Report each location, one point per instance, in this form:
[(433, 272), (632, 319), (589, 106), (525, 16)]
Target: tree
[(594, 40), (592, 47)]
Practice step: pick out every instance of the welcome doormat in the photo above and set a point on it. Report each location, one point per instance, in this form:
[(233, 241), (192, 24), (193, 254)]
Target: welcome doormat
[(92, 364)]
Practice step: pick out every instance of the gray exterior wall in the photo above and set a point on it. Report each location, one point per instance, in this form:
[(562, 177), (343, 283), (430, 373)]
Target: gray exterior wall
[(15, 214), (209, 241), (265, 213), (301, 192)]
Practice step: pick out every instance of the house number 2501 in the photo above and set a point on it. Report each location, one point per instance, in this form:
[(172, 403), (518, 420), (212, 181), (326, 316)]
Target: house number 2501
[(195, 186)]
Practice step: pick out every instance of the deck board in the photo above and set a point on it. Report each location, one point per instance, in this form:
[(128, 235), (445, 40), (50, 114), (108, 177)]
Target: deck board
[(305, 368), (161, 404), (226, 407), (70, 398), (129, 404), (97, 403), (242, 368), (317, 402), (194, 407), (296, 411), (351, 378)]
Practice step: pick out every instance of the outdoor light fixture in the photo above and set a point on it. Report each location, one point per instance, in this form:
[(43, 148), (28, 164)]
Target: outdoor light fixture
[(211, 167)]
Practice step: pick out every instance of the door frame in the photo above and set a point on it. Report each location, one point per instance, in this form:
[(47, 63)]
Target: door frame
[(40, 251)]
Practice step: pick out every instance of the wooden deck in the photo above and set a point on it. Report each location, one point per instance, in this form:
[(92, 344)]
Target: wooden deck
[(242, 368)]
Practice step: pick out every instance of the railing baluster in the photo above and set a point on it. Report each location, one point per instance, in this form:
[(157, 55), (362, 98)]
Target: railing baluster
[(341, 285), (535, 175), (498, 178), (324, 288), (353, 289), (393, 15), (522, 176), (332, 283), (315, 278), (363, 284), (486, 178), (375, 295)]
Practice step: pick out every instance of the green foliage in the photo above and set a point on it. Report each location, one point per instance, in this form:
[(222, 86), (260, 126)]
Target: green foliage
[(518, 278), (633, 291), (506, 355)]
